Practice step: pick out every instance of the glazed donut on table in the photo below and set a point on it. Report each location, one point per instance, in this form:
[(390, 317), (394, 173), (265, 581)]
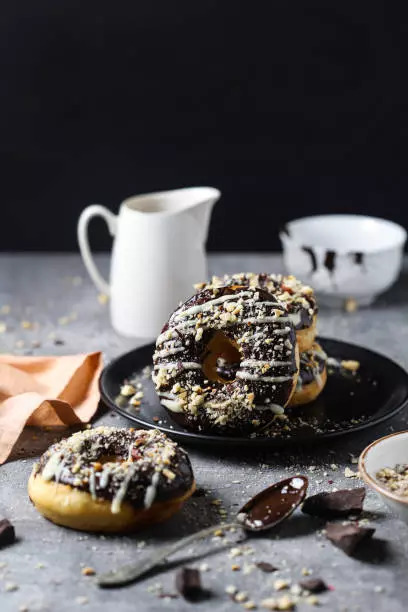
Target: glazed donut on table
[(299, 299), (227, 360), (312, 376), (111, 480)]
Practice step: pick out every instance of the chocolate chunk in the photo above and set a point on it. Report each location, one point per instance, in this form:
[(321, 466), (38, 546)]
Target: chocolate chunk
[(188, 583), (199, 492), (314, 585), (337, 504), (7, 533), (347, 537), (266, 567)]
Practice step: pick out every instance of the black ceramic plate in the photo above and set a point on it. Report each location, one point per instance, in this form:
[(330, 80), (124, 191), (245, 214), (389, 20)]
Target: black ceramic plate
[(348, 403)]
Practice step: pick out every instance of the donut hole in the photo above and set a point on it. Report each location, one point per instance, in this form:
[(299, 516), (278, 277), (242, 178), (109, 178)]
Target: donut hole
[(221, 358), (111, 459)]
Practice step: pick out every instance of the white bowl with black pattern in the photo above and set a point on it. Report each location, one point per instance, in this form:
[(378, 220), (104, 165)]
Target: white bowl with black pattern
[(344, 256)]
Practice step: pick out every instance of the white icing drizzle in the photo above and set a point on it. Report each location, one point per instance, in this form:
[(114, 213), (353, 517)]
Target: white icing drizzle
[(186, 365), (52, 466), (168, 334), (282, 332), (104, 479), (255, 362), (272, 379), (275, 408), (172, 404), (295, 318), (92, 484), (170, 351), (151, 490), (210, 303), (121, 492)]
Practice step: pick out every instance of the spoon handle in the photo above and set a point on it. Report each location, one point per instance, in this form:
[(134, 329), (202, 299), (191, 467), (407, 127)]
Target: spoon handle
[(130, 573)]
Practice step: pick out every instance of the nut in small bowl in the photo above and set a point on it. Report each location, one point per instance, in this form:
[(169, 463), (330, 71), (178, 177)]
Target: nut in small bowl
[(348, 259), (382, 464)]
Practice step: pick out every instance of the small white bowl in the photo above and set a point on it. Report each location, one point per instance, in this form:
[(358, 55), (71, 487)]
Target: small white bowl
[(344, 256), (386, 452)]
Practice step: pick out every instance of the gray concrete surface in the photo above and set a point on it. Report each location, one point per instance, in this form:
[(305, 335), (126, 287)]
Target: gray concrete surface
[(45, 564)]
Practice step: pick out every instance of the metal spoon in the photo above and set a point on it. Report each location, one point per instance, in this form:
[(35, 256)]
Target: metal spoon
[(265, 510)]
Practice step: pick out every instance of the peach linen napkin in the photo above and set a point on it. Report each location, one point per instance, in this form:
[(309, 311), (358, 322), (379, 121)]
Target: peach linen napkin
[(46, 391)]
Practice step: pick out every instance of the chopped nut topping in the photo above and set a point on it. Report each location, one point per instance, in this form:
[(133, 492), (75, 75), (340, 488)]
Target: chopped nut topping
[(241, 596), (280, 584), (283, 603), (350, 364), (127, 390)]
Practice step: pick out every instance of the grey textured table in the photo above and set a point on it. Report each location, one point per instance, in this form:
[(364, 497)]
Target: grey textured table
[(45, 564)]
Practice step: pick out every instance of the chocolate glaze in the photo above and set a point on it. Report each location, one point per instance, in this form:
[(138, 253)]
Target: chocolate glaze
[(274, 504)]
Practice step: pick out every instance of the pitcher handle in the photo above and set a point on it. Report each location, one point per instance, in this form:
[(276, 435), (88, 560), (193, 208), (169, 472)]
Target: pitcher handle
[(95, 210)]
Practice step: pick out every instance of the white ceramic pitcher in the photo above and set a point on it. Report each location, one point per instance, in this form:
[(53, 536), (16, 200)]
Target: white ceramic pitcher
[(158, 254)]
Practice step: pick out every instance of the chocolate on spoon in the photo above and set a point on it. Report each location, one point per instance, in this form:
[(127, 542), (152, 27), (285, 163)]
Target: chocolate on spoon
[(264, 511)]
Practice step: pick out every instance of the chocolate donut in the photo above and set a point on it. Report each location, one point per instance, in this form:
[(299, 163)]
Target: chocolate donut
[(110, 479), (299, 299), (227, 360), (312, 376)]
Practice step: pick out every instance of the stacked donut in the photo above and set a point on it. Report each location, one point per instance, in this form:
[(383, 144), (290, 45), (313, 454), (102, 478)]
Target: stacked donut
[(240, 350)]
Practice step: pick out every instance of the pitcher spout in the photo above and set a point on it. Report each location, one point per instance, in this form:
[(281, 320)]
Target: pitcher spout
[(202, 203)]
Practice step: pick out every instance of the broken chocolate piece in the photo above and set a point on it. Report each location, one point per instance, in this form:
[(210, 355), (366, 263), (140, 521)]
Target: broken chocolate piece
[(347, 537), (266, 567), (188, 583), (314, 585), (7, 533), (337, 504), (199, 492)]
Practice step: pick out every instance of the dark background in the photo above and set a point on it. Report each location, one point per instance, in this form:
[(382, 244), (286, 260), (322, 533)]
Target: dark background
[(290, 108)]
